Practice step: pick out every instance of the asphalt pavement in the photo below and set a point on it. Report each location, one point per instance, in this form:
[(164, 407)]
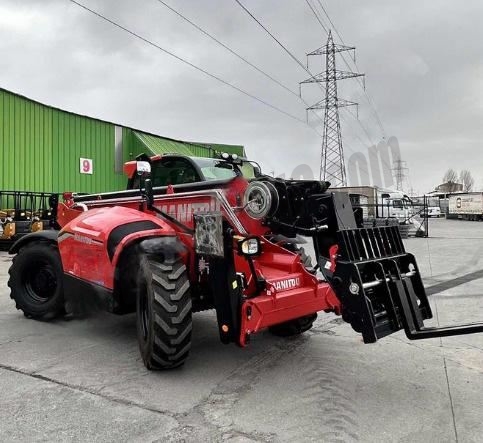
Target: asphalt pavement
[(83, 379)]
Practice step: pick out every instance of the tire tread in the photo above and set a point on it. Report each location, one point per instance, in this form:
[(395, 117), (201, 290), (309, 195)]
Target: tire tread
[(172, 309), (53, 308)]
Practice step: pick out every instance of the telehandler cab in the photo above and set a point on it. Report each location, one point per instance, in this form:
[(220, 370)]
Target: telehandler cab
[(191, 234)]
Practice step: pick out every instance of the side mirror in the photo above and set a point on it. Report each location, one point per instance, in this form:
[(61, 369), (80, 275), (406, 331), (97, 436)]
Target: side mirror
[(143, 167)]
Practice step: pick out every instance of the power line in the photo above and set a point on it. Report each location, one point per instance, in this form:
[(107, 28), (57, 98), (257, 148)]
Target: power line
[(273, 37), (354, 135), (317, 17), (294, 58), (364, 129), (203, 31), (369, 100), (344, 103), (361, 83), (331, 23), (209, 74), (242, 58), (291, 55), (371, 103), (157, 46), (332, 164)]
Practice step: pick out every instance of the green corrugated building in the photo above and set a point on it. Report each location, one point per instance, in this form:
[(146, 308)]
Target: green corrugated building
[(46, 149)]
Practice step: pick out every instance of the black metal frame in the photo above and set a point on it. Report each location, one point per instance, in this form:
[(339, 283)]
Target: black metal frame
[(380, 287), (226, 289), (418, 208), (27, 205)]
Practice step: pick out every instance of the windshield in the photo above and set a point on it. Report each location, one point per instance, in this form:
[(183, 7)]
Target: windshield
[(214, 169)]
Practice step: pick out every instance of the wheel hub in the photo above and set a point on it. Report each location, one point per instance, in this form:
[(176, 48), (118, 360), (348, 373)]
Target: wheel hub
[(41, 282)]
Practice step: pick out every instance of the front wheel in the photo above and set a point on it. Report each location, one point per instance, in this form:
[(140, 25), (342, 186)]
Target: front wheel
[(163, 312), (36, 281)]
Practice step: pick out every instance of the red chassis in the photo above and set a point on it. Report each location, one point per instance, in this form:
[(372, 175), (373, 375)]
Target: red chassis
[(205, 237), (290, 290)]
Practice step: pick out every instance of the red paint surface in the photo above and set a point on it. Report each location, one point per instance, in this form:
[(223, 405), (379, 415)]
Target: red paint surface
[(85, 255)]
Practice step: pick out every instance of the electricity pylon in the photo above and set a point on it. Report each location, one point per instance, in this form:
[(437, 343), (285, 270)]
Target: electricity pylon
[(332, 165)]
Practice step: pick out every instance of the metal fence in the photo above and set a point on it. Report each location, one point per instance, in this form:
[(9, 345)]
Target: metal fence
[(412, 219)]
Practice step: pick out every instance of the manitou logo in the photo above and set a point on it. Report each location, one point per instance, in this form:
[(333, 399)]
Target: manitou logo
[(83, 239), (288, 283), (184, 212)]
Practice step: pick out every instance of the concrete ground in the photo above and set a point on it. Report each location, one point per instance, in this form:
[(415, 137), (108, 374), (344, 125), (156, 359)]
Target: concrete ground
[(83, 380)]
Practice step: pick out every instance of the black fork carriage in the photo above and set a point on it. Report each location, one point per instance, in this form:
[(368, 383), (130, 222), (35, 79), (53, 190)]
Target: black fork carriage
[(379, 283)]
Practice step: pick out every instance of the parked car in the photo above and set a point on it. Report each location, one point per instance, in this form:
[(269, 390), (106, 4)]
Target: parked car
[(432, 211)]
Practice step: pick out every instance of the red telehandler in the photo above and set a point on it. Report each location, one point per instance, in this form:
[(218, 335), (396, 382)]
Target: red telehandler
[(191, 234)]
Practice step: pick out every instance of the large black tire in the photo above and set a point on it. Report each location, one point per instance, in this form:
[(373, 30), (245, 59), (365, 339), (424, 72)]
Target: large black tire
[(36, 281), (163, 311), (301, 324)]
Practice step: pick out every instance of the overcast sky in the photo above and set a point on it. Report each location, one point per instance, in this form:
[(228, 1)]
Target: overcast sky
[(423, 63)]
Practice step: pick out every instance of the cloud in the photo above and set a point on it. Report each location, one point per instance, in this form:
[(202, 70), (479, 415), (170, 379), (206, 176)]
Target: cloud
[(422, 63)]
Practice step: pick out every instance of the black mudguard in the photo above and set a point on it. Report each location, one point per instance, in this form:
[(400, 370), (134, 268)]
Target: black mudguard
[(49, 236)]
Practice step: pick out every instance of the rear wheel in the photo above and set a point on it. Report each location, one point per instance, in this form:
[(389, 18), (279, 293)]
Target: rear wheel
[(163, 312), (36, 281), (301, 324)]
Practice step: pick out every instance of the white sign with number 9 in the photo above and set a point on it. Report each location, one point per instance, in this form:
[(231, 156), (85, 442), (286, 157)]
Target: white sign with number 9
[(86, 166)]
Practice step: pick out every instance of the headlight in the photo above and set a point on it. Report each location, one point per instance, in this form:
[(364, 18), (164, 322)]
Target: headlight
[(261, 199), (250, 246)]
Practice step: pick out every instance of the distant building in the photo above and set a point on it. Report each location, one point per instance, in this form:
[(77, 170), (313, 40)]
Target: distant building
[(440, 196), (449, 187)]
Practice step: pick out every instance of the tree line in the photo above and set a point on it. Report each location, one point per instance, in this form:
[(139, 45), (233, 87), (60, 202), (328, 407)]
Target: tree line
[(464, 178)]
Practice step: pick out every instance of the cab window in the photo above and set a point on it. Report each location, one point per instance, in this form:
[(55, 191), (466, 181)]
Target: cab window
[(174, 172), (171, 171)]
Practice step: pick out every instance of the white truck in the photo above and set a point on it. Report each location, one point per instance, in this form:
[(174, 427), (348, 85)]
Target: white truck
[(380, 203), (467, 206)]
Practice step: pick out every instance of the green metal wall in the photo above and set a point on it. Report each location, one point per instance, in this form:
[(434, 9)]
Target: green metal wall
[(75, 137), (40, 149)]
